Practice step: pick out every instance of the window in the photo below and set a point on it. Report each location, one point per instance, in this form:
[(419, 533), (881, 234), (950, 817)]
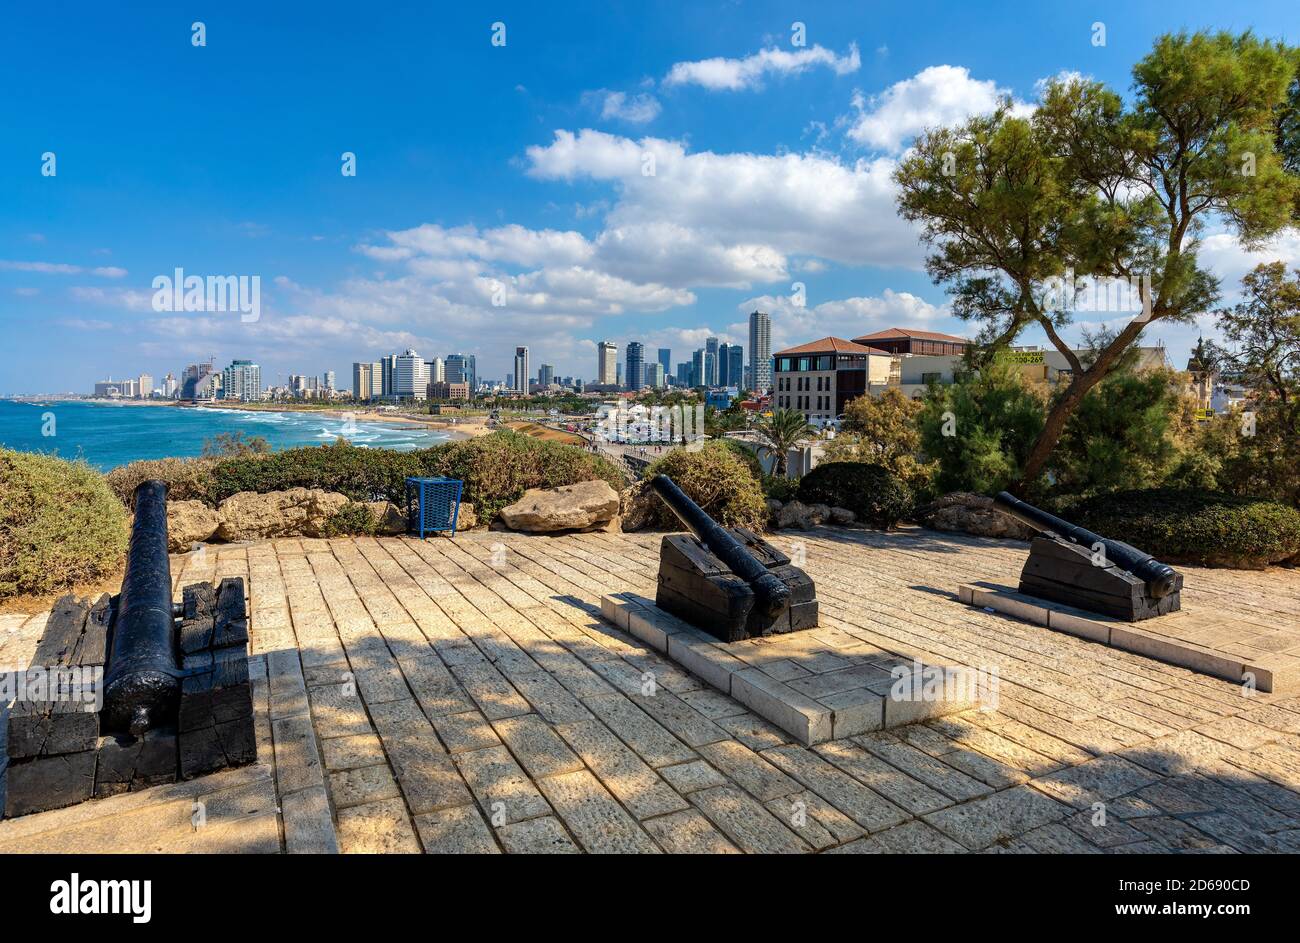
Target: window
[(929, 378), (803, 363)]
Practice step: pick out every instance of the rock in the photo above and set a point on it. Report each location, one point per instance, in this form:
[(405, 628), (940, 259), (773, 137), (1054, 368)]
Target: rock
[(389, 518), (297, 512), (189, 523), (842, 516), (821, 513), (795, 514), (584, 505), (466, 518), (773, 506), (968, 513)]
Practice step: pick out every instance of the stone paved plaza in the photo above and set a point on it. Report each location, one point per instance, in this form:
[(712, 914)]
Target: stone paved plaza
[(466, 695)]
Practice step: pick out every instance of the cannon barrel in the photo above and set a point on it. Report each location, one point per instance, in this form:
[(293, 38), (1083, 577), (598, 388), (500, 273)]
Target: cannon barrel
[(142, 679), (771, 593), (1160, 578)]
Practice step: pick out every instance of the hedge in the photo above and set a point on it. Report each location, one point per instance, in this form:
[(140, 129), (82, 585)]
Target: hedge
[(716, 479), (1201, 528), (875, 494), (496, 470), (60, 525)]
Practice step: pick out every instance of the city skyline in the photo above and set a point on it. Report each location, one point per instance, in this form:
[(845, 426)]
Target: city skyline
[(544, 226)]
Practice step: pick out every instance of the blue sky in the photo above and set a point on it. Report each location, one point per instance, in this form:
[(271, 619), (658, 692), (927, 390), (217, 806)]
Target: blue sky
[(519, 167)]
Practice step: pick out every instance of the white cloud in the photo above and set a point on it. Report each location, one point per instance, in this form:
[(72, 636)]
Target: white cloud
[(59, 268), (937, 96), (722, 74), (792, 204), (1222, 254), (638, 109), (846, 317)]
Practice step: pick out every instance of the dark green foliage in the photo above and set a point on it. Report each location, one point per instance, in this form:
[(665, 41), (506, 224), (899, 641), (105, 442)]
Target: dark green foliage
[(1119, 437), (875, 494), (360, 474), (1206, 528), (980, 429)]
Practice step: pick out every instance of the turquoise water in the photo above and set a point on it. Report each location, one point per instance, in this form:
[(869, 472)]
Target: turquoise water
[(108, 435)]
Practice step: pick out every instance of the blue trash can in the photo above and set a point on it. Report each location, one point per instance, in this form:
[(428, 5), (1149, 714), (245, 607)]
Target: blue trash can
[(432, 505)]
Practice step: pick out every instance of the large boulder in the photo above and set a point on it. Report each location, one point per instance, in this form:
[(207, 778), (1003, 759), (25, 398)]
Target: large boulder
[(967, 513), (388, 517), (466, 517), (297, 512), (796, 514), (189, 523), (583, 506)]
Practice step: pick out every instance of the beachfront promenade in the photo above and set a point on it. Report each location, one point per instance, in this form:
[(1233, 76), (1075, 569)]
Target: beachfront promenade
[(465, 695)]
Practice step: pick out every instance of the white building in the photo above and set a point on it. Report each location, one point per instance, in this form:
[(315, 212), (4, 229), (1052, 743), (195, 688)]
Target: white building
[(606, 362), (410, 376), (144, 386), (242, 380)]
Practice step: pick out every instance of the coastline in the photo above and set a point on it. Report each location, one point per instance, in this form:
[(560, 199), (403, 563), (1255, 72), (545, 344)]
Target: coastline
[(456, 428)]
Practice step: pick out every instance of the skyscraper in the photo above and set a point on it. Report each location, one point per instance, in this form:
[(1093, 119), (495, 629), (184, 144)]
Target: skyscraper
[(606, 362), (329, 380), (410, 375), (462, 368), (437, 370), (386, 374), (242, 380), (144, 386), (522, 373), (711, 361), (655, 376), (760, 351), (697, 368), (545, 375), (731, 365), (666, 358), (635, 364)]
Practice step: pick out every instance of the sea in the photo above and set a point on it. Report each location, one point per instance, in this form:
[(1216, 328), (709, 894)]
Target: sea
[(108, 435)]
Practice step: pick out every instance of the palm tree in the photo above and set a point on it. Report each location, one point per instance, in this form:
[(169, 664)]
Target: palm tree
[(780, 432)]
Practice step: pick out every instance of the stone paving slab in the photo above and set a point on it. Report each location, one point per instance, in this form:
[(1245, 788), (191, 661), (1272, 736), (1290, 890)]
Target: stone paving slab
[(1210, 642), (511, 716), (795, 681)]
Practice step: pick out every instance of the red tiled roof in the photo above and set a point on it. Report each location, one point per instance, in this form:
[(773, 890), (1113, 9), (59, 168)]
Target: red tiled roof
[(894, 333), (828, 345)]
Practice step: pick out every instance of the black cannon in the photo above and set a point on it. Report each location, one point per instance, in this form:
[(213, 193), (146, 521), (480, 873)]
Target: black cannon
[(728, 582), (1073, 565), (142, 682)]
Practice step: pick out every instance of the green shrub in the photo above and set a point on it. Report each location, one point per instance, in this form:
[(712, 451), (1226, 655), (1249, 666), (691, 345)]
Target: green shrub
[(875, 494), (1203, 528), (781, 488), (980, 428), (360, 474), (60, 525), (352, 520), (715, 479), (498, 468), (188, 479)]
